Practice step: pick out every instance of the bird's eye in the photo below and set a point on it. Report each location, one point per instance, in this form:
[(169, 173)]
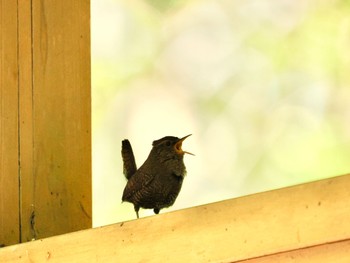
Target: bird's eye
[(167, 143)]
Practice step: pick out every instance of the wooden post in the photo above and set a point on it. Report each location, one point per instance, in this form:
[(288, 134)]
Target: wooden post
[(45, 163), (9, 151)]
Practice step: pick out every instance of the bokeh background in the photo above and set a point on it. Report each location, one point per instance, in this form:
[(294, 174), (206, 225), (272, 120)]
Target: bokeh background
[(263, 86)]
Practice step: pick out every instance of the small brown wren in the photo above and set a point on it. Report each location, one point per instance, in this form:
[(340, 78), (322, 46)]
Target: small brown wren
[(157, 183)]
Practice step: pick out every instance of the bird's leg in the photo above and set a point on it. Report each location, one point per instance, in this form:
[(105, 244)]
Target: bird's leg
[(137, 208), (156, 210)]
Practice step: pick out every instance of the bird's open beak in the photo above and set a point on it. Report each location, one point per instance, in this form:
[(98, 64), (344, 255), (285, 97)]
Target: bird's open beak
[(178, 145)]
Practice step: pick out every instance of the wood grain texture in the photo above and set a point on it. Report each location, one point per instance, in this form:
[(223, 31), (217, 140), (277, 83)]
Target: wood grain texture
[(61, 188), (45, 125), (338, 252), (9, 192), (26, 146), (289, 219)]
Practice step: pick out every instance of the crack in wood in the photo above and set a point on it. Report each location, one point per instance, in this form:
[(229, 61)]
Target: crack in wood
[(32, 225)]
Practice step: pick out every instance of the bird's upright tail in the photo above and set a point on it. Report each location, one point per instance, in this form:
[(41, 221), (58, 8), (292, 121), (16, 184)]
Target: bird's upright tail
[(129, 164)]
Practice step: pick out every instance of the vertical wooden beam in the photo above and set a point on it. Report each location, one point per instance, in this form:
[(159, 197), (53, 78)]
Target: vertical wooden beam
[(26, 145), (45, 133), (9, 192), (61, 135)]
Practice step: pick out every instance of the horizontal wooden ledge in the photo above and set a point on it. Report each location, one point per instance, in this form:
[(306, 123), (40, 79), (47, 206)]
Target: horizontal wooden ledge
[(238, 229), (332, 252)]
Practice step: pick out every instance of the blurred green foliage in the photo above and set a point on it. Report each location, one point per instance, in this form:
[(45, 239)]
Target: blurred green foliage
[(263, 86)]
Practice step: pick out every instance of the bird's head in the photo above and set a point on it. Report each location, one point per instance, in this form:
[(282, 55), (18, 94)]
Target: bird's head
[(170, 147)]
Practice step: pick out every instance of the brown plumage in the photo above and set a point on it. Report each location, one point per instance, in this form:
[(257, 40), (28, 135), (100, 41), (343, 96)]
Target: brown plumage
[(157, 183), (129, 164)]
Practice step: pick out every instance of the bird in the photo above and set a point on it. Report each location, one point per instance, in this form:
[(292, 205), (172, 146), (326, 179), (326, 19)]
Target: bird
[(157, 183)]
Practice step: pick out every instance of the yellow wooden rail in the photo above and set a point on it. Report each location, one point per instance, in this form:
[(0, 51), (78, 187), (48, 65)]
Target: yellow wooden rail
[(303, 223)]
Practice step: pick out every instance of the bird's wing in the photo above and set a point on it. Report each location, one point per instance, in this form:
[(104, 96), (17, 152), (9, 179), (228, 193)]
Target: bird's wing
[(129, 164), (137, 183)]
